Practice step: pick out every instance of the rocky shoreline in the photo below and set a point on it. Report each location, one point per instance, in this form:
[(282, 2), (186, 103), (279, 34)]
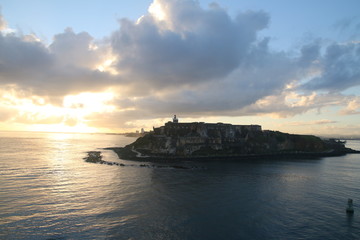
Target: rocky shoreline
[(97, 158), (130, 154)]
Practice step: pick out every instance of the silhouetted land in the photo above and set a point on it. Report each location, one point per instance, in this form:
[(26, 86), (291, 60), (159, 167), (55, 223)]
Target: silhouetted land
[(204, 141)]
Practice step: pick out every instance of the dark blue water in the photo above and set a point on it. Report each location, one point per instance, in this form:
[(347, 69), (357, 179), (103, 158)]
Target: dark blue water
[(47, 191)]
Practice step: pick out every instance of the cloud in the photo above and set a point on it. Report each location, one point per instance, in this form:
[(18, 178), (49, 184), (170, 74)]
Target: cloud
[(67, 66), (290, 103), (345, 23), (310, 53), (317, 122), (348, 27), (202, 62), (353, 107), (3, 23), (339, 68), (189, 46), (73, 49), (261, 74), (37, 118), (6, 113), (179, 58), (18, 56)]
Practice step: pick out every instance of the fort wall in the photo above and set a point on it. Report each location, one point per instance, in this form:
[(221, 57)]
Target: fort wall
[(202, 129)]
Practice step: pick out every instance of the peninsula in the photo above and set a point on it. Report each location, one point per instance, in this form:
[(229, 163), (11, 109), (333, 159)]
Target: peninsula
[(199, 140)]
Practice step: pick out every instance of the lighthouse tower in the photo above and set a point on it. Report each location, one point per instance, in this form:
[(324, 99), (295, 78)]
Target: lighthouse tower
[(175, 120)]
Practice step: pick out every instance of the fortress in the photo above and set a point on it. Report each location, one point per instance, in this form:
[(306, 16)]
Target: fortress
[(199, 140), (205, 130), (175, 138)]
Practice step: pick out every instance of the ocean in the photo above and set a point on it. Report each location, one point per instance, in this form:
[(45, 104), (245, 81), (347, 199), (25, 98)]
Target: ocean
[(47, 191)]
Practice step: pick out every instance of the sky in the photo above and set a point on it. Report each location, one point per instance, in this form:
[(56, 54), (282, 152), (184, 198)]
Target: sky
[(119, 66)]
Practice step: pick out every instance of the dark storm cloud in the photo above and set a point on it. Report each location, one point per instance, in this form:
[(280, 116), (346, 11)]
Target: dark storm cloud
[(339, 68)]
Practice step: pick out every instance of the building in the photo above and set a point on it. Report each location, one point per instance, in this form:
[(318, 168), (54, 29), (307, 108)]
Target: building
[(186, 138), (201, 129)]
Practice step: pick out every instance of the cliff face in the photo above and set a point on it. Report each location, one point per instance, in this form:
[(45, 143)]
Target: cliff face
[(201, 139)]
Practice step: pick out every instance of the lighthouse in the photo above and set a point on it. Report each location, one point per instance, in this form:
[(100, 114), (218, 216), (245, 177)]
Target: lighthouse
[(175, 120)]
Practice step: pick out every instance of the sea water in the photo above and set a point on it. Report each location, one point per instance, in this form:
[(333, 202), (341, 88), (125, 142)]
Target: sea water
[(47, 191)]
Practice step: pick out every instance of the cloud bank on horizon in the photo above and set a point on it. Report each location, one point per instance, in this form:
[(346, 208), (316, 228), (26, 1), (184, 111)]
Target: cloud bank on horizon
[(178, 58)]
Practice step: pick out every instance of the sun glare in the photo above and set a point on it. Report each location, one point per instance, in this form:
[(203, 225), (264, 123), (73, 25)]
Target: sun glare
[(156, 10), (88, 102), (62, 128), (106, 66), (36, 114)]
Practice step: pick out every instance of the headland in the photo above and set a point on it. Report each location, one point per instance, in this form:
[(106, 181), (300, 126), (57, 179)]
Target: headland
[(206, 141)]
